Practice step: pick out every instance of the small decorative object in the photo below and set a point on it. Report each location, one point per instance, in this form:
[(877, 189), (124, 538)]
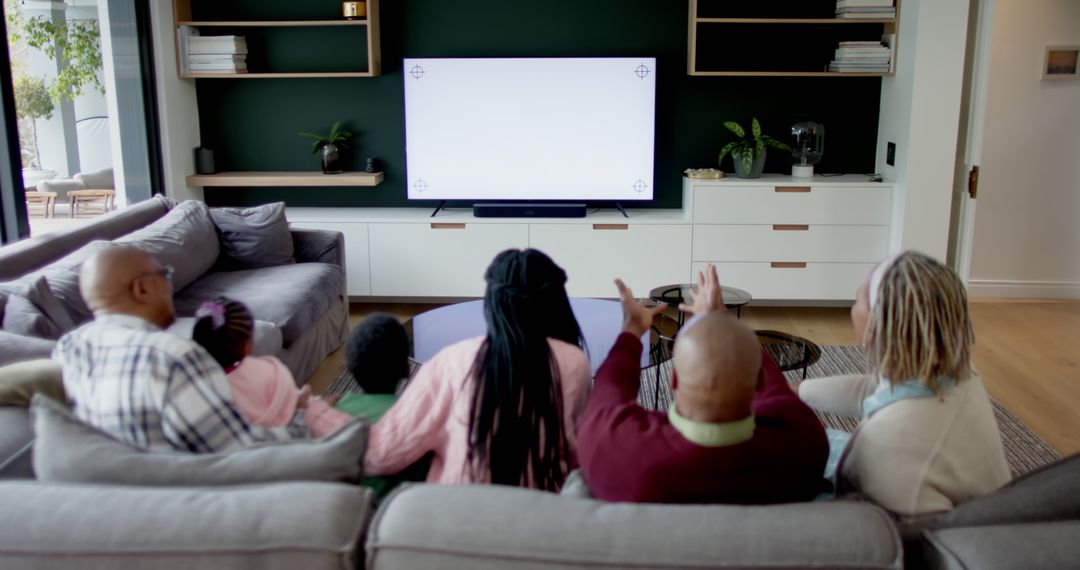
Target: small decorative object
[(354, 10), (331, 154), (369, 164), (748, 153), (703, 173), (1061, 62), (808, 148), (204, 161)]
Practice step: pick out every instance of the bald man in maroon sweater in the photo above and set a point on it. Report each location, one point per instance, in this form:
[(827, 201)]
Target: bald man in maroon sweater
[(736, 432)]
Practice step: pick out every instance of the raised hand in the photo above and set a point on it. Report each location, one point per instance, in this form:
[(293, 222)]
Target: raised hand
[(637, 318), (707, 297)]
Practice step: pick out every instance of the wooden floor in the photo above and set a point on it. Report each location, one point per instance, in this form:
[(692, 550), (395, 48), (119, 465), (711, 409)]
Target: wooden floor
[(1027, 352)]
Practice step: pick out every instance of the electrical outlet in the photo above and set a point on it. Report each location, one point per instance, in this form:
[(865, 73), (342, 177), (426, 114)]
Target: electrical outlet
[(890, 154)]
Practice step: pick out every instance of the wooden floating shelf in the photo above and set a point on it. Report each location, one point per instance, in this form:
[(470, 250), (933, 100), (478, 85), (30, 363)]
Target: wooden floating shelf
[(278, 179), (273, 23), (790, 74), (283, 75), (795, 20)]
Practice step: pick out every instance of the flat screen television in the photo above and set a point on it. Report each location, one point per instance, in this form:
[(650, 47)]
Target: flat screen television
[(530, 128)]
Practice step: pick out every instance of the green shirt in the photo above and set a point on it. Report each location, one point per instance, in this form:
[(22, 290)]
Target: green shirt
[(371, 406)]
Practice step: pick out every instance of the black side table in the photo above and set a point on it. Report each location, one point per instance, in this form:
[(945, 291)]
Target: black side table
[(789, 351), (676, 294)]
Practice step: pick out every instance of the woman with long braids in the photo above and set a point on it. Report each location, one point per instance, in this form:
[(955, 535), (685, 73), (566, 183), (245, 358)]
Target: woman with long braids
[(927, 440), (502, 408)]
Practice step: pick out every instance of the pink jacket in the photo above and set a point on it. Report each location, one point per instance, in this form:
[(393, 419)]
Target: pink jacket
[(265, 392), (433, 413)]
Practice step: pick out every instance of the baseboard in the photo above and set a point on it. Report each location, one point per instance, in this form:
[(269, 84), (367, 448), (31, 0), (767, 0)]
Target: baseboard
[(986, 288)]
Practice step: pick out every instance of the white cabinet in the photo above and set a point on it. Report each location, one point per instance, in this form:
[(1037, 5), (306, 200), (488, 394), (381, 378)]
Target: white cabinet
[(782, 238), (437, 259), (593, 255), (357, 267)]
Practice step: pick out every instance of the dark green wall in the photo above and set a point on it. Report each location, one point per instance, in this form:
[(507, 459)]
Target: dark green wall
[(251, 123)]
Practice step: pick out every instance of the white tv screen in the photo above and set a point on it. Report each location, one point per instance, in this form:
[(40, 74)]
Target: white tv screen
[(530, 129)]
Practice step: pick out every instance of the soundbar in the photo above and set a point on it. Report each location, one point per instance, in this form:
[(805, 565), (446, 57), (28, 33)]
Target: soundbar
[(495, 210)]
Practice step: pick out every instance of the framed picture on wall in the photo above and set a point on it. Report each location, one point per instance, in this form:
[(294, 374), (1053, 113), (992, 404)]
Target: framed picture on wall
[(1061, 62)]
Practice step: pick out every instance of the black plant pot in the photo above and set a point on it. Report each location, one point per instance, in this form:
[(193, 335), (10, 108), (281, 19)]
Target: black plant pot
[(331, 159)]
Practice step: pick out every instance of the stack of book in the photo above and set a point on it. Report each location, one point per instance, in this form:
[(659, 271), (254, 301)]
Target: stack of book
[(872, 57), (875, 9), (213, 54)]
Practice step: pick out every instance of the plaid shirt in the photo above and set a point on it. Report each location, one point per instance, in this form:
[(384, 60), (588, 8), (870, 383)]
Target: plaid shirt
[(153, 389)]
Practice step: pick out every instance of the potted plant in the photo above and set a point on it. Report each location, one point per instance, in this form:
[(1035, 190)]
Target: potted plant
[(748, 154), (329, 145)]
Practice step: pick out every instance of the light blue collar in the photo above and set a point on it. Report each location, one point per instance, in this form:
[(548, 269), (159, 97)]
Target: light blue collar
[(888, 393)]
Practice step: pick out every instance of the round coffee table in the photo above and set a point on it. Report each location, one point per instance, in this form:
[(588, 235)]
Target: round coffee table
[(789, 351), (679, 293)]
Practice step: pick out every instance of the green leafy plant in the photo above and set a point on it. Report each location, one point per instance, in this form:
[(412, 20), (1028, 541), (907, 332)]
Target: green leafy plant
[(32, 101), (336, 137), (748, 148), (77, 41)]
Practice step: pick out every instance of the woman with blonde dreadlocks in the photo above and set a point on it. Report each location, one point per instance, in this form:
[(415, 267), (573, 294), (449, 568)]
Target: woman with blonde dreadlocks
[(927, 440)]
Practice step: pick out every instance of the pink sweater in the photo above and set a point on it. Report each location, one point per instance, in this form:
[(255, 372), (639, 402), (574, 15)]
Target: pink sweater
[(433, 413), (265, 392)]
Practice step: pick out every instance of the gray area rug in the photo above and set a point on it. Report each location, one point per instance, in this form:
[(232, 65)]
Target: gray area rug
[(1024, 449)]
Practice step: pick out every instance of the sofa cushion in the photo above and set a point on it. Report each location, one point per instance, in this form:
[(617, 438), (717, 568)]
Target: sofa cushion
[(17, 348), (253, 237), (97, 179), (286, 526), (63, 279), (184, 238), (36, 312), (20, 381), (24, 256), (68, 450), (1035, 497), (16, 444), (293, 297), (420, 526), (1030, 546)]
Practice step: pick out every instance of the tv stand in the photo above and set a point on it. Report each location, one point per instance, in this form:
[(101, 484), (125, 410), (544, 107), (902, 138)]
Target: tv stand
[(618, 205), (441, 205)]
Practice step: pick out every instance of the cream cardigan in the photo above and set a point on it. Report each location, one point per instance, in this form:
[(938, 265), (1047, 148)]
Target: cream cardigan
[(918, 455)]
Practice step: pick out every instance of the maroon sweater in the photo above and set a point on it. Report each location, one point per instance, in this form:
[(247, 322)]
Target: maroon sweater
[(628, 453)]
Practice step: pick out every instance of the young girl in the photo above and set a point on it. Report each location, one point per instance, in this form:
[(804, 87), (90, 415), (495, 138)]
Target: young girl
[(928, 440), (262, 386)]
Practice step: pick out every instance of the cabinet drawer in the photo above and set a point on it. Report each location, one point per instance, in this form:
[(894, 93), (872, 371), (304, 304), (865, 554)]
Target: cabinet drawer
[(643, 256), (437, 260), (856, 205), (867, 244), (357, 276), (815, 281)]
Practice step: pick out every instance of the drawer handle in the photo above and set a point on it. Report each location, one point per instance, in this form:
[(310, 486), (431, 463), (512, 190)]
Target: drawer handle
[(790, 228), (801, 189), (789, 265), (611, 226), (446, 226)]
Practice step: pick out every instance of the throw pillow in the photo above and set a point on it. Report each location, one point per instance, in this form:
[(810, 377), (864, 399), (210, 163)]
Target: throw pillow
[(20, 381), (68, 450), (36, 312), (253, 237), (184, 238), (17, 348)]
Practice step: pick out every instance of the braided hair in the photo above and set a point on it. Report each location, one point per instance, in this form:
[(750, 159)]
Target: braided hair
[(224, 327), (920, 324), (516, 419)]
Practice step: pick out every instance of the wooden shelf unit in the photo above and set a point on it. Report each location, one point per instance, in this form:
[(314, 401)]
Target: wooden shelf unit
[(182, 16), (284, 179), (889, 26)]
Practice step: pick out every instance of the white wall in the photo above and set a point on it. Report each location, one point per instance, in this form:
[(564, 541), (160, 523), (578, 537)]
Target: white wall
[(177, 108), (1027, 220), (920, 110)]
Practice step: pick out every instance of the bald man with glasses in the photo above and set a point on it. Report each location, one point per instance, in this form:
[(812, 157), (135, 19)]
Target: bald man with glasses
[(125, 375)]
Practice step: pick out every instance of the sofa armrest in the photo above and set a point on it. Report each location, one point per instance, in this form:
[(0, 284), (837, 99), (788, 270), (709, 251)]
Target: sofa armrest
[(319, 246), (285, 525), (420, 526)]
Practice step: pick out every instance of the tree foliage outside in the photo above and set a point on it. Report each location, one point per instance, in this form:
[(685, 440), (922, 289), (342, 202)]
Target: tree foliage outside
[(33, 101)]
